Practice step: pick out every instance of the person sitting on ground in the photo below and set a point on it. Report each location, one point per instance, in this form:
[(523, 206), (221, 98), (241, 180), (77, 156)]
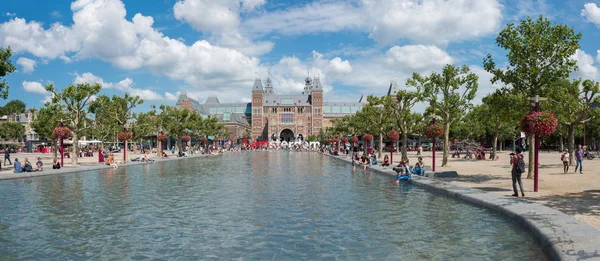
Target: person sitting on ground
[(55, 164), (147, 158), (17, 166), (386, 161), (164, 155), (419, 167), (39, 165), (373, 159), (27, 166)]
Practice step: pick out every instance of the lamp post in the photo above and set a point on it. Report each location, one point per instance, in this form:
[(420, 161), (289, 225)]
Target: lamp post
[(433, 148), (380, 107), (536, 101)]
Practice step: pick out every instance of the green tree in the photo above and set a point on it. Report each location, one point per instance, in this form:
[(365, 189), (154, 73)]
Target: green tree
[(372, 118), (45, 120), (538, 55), (449, 95), (575, 108), (12, 131), (116, 113), (499, 119), (404, 119), (76, 100), (175, 121), (6, 67), (14, 106)]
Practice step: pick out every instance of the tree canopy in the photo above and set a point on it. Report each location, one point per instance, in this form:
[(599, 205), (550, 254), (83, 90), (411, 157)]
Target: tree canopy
[(6, 67)]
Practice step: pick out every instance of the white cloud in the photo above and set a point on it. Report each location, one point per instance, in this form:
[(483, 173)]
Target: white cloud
[(31, 37), (387, 21), (172, 96), (598, 55), (48, 98), (56, 14), (222, 20), (417, 57), (10, 14), (34, 87), (125, 85), (27, 64), (585, 62), (336, 65), (591, 12)]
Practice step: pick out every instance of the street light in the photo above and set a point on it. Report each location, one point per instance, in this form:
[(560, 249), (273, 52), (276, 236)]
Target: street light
[(536, 101), (380, 107)]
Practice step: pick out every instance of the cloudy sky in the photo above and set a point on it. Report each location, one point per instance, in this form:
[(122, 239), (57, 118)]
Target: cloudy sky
[(159, 48)]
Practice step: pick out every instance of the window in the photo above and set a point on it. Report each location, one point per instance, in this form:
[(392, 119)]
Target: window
[(346, 109), (300, 110), (257, 111), (307, 110), (326, 109), (336, 109), (287, 109), (266, 110), (286, 118), (226, 117), (274, 110), (286, 101)]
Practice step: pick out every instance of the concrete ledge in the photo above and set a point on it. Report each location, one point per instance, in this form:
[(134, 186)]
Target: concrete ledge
[(83, 167), (560, 236)]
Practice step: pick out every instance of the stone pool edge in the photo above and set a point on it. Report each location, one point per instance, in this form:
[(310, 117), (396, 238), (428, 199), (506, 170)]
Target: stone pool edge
[(560, 236), (85, 167)]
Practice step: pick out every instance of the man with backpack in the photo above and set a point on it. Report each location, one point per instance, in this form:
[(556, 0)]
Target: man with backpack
[(518, 167)]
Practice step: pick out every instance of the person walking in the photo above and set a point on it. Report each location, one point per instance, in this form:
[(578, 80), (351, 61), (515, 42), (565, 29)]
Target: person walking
[(7, 156), (579, 159), (565, 160), (518, 167)]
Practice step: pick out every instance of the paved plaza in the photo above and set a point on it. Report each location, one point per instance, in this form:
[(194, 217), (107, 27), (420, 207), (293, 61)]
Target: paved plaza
[(572, 193)]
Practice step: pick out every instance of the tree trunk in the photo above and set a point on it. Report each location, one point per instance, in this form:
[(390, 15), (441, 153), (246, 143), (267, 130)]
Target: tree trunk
[(158, 149), (75, 155), (55, 147), (530, 146), (380, 146), (404, 145), (494, 146), (446, 139), (125, 152), (571, 144), (562, 145)]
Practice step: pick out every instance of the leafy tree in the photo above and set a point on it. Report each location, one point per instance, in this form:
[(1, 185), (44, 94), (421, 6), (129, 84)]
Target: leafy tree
[(12, 131), (6, 67), (372, 118), (45, 120), (499, 119), (14, 106), (538, 55), (175, 121), (114, 114), (76, 100), (406, 121), (311, 138), (449, 95), (575, 106)]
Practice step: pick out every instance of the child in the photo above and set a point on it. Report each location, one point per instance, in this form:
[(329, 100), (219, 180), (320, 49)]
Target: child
[(565, 160), (55, 164), (39, 164)]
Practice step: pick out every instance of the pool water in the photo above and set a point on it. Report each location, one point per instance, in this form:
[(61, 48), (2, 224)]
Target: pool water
[(267, 205)]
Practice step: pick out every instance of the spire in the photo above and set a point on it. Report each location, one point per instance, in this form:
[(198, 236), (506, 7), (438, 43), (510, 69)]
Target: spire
[(258, 87), (269, 86), (393, 90)]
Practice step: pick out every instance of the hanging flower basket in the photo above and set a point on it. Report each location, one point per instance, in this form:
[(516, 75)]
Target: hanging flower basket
[(393, 135), (539, 123), (367, 137), (204, 140), (162, 136), (434, 130), (345, 140), (354, 139), (125, 135), (186, 138), (336, 140), (454, 141), (62, 132)]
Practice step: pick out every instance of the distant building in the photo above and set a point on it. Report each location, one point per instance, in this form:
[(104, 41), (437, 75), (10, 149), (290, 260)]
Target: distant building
[(273, 116), (25, 119)]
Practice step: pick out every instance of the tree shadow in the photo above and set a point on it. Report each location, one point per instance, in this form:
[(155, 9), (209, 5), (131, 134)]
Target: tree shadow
[(493, 189), (582, 203), (474, 178)]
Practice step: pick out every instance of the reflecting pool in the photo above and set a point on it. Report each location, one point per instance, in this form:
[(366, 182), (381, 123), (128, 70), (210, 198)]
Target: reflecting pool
[(245, 206)]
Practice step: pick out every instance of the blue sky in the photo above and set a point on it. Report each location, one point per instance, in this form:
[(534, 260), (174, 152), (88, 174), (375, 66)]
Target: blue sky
[(160, 48)]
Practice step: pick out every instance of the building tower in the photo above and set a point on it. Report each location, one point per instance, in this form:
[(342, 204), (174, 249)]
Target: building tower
[(257, 102), (316, 94), (393, 90)]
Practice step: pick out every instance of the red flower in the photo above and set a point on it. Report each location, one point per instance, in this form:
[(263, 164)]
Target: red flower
[(62, 132), (367, 137), (393, 135), (434, 130), (186, 138), (354, 139), (344, 140), (162, 136), (539, 123), (123, 136)]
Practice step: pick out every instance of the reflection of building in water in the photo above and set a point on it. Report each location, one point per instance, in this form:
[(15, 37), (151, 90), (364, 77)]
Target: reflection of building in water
[(275, 116)]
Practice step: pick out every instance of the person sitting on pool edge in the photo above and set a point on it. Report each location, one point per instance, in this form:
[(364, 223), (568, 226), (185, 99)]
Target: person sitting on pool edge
[(39, 165), (373, 159), (386, 161), (27, 166), (418, 169), (55, 164), (402, 177), (17, 166)]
